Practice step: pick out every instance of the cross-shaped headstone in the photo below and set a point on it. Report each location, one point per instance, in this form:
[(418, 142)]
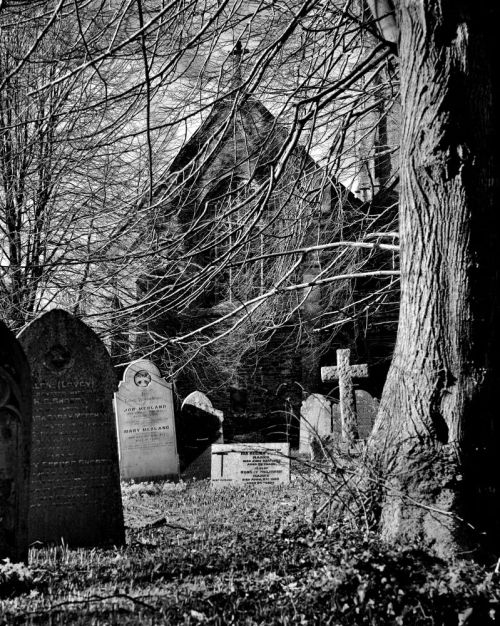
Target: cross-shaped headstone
[(344, 372)]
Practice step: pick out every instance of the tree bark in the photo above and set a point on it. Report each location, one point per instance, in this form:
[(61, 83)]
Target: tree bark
[(436, 440)]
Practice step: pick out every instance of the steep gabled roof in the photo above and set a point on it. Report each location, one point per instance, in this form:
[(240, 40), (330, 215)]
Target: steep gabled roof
[(242, 138)]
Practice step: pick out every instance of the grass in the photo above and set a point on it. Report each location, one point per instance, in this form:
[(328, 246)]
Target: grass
[(196, 555)]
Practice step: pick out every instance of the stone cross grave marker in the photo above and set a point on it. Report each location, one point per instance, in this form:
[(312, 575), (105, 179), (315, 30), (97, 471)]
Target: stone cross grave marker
[(250, 464), (366, 411), (344, 372), (75, 483), (144, 408), (15, 438), (200, 426), (318, 418)]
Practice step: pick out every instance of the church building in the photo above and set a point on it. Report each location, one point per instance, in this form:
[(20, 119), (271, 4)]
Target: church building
[(253, 215)]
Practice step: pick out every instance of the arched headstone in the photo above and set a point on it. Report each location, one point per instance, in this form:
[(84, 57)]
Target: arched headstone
[(319, 417), (15, 437), (75, 484), (366, 411), (144, 410), (199, 400), (200, 426)]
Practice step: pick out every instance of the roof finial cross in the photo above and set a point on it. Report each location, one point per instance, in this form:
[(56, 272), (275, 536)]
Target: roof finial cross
[(237, 53)]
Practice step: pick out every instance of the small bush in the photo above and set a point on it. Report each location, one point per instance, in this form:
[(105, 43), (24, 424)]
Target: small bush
[(14, 578)]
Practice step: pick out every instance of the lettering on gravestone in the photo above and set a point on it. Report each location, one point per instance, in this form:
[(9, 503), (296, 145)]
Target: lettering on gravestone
[(75, 483), (15, 436), (144, 410)]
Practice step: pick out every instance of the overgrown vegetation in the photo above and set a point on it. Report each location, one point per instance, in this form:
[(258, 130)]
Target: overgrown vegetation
[(196, 555)]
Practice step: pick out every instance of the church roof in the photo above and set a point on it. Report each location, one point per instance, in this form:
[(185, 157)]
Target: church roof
[(242, 138)]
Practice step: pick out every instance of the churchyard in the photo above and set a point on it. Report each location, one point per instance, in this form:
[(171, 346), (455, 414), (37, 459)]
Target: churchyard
[(243, 555), (227, 533)]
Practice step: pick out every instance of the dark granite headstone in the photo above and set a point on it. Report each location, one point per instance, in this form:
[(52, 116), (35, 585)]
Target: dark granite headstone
[(75, 485), (15, 435), (366, 410), (200, 426)]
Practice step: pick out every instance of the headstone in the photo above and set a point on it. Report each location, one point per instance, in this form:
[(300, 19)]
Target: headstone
[(200, 426), (249, 464), (144, 409), (15, 436), (366, 410), (318, 418), (75, 482), (344, 372)]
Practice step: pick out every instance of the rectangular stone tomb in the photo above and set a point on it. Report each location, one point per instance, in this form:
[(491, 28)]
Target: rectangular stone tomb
[(263, 464), (75, 492), (144, 409)]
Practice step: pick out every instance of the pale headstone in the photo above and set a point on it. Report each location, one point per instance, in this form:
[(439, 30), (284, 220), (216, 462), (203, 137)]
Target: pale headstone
[(144, 408), (318, 418), (75, 484), (250, 464), (344, 372), (200, 426), (15, 437), (366, 410)]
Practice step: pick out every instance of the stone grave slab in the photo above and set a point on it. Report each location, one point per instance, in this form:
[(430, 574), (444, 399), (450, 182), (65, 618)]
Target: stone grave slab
[(366, 411), (199, 427), (319, 417), (250, 464), (144, 409), (75, 482), (15, 437)]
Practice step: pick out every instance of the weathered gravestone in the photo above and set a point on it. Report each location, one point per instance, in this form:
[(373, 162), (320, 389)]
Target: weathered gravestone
[(250, 464), (366, 411), (344, 372), (75, 482), (144, 408), (15, 436), (319, 418), (200, 426)]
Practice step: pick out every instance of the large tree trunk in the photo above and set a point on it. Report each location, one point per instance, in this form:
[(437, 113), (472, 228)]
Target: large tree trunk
[(437, 433)]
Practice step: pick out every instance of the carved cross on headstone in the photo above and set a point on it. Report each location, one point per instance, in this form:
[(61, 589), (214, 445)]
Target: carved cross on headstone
[(222, 454), (344, 372)]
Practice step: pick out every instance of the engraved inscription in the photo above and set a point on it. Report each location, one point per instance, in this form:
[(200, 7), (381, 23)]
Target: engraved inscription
[(265, 465)]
